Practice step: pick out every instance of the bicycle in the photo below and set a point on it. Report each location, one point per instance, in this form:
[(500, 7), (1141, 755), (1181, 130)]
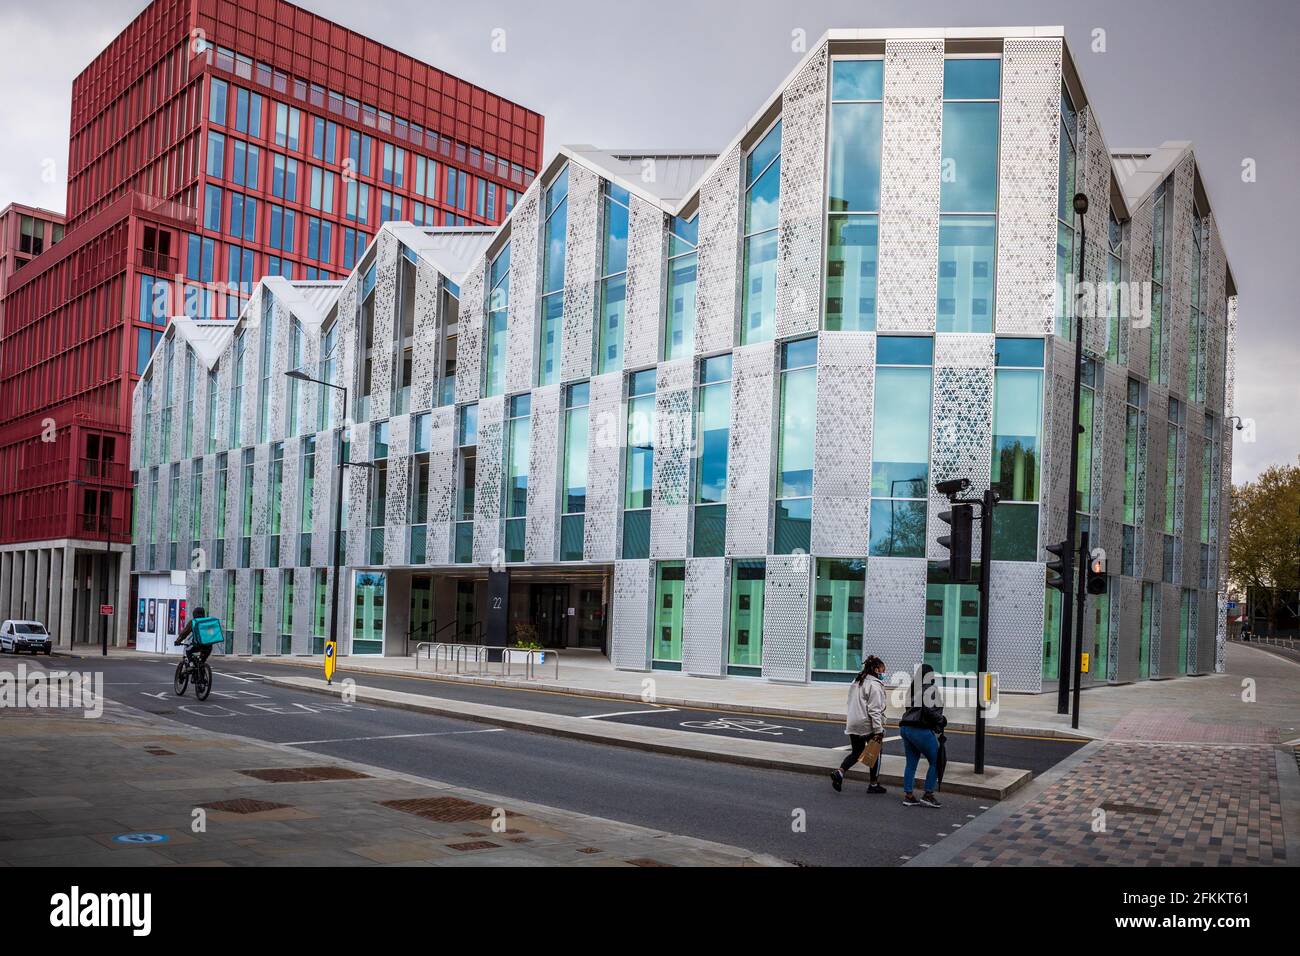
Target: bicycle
[(200, 671)]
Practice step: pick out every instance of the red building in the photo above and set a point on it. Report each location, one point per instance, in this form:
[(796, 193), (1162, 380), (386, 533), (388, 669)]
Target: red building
[(212, 142)]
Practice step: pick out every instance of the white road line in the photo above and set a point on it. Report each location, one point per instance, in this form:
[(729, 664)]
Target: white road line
[(850, 746), (629, 713), (344, 740)]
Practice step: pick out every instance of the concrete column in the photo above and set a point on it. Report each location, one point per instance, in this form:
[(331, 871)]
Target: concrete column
[(28, 602), (6, 581), (121, 613), (41, 607), (57, 591), (14, 593), (397, 612)]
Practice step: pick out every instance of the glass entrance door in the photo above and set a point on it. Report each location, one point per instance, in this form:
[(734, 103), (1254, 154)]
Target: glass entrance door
[(549, 613)]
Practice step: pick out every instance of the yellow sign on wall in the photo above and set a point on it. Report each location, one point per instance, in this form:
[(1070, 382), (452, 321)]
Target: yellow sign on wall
[(329, 660), (1085, 661)]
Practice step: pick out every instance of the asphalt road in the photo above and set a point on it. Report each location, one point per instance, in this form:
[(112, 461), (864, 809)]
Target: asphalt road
[(1036, 754), (797, 817)]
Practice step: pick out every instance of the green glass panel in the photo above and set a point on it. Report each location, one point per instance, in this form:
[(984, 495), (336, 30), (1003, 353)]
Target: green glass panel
[(670, 599), (838, 615), (745, 647)]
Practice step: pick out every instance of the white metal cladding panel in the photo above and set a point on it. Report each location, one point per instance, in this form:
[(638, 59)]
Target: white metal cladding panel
[(786, 587), (1177, 312), (1128, 633), (961, 433), (208, 506), (749, 457), (910, 162), (704, 616), (646, 248), (271, 611), (234, 502), (172, 442), (183, 524), (356, 500), (243, 611), (138, 432), (1093, 178), (322, 499), (846, 375), (1220, 632), (1112, 640), (469, 338), (1135, 334), (277, 404), (1157, 609), (381, 355), (1058, 405), (1215, 317), (397, 504), (194, 591), (489, 479), (717, 290), (1170, 630), (153, 420), (670, 481), (261, 504), (1027, 185), (581, 261), (304, 609), (521, 316), (1189, 567), (290, 502), (604, 505), (1193, 636), (633, 586), (1110, 463), (442, 483), (1016, 624), (425, 357), (224, 366), (540, 539), (799, 236), (894, 619)]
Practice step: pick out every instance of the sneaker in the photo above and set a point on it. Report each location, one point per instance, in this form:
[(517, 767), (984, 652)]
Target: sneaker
[(909, 800), (837, 780), (876, 788), (929, 800)]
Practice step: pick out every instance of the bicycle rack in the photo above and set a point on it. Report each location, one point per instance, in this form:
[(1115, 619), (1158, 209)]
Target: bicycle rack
[(476, 659)]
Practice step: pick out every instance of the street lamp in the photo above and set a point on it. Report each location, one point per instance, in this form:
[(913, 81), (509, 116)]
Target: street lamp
[(338, 501), (108, 559)]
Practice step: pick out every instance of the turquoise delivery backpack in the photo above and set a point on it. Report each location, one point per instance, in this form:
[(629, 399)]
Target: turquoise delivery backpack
[(207, 631)]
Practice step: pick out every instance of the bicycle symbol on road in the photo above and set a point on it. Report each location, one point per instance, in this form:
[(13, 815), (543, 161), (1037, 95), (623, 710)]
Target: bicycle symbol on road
[(748, 725)]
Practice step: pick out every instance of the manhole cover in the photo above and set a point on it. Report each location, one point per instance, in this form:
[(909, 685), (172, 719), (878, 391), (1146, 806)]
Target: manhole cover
[(244, 805), (303, 774), (141, 839), (474, 845), (442, 809)]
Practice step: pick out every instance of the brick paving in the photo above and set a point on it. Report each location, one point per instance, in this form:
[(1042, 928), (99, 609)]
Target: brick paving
[(1150, 804)]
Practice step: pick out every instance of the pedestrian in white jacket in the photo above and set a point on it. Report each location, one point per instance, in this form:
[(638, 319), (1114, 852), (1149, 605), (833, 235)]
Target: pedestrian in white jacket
[(864, 721)]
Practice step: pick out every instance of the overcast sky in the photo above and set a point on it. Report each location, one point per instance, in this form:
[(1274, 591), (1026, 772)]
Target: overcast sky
[(688, 73)]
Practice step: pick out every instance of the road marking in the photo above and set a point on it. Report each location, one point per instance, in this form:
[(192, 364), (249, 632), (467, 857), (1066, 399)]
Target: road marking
[(440, 733), (850, 747), (629, 713)]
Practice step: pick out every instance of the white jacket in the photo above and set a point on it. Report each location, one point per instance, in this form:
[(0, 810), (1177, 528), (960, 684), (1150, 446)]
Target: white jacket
[(866, 709)]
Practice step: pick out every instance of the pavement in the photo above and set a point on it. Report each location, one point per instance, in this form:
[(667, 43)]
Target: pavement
[(136, 789), (1213, 785)]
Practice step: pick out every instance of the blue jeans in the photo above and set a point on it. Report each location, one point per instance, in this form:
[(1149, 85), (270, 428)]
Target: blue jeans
[(917, 741)]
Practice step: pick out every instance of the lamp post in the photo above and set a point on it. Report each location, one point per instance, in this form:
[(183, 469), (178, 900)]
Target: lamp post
[(107, 520), (338, 501), (1068, 663)]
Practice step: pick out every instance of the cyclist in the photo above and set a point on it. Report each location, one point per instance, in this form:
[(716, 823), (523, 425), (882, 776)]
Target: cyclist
[(194, 648)]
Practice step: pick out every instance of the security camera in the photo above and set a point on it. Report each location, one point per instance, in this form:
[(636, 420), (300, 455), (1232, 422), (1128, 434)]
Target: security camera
[(952, 486), (1080, 203)]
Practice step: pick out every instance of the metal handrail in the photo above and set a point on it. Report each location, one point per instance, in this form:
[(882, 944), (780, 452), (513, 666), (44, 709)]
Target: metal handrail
[(463, 657)]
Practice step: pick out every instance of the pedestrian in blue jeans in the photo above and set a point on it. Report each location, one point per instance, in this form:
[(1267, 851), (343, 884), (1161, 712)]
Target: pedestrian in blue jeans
[(920, 727)]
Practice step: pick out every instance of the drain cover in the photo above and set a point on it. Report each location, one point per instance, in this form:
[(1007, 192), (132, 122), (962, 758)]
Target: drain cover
[(303, 774), (474, 845), (442, 809), (244, 805), (141, 839)]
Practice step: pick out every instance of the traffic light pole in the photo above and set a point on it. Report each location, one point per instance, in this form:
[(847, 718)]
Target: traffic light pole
[(1080, 596), (982, 659)]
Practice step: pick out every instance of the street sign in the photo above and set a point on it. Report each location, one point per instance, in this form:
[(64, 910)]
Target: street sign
[(988, 690), (1086, 659), (329, 661), (106, 610), (1232, 605)]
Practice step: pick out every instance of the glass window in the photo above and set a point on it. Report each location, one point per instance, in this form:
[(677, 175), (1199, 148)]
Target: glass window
[(1017, 432), (967, 257), (795, 446), (745, 646), (952, 613), (498, 307), (900, 469), (670, 600), (548, 350), (712, 438), (838, 607), (517, 452), (679, 335), (640, 464), (576, 424), (613, 287), (762, 193)]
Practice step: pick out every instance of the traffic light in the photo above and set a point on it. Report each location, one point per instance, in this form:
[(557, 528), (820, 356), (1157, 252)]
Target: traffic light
[(1097, 573), (960, 520), (1056, 569)]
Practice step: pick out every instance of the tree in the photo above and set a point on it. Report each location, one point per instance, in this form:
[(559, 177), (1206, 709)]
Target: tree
[(1264, 537)]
